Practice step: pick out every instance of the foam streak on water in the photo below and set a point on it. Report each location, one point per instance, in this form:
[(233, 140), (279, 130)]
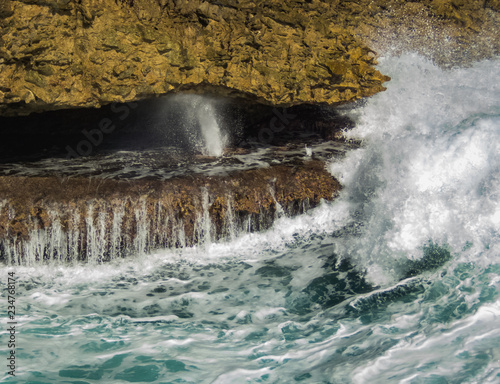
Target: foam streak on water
[(419, 213)]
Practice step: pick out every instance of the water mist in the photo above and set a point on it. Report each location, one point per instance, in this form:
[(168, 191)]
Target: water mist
[(198, 118)]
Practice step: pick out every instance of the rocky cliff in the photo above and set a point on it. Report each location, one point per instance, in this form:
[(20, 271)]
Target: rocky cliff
[(62, 54), (58, 54)]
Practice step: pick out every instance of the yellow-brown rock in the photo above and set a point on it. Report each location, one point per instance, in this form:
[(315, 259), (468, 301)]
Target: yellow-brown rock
[(58, 54), (65, 53)]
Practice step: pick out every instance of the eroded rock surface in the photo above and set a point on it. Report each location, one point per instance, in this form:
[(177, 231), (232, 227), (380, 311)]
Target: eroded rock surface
[(94, 219), (65, 53), (58, 54)]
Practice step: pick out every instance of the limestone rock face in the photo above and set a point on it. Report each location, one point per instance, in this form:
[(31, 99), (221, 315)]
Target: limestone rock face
[(58, 54)]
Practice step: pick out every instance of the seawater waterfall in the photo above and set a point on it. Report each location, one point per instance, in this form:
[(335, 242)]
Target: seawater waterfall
[(98, 220), (161, 182)]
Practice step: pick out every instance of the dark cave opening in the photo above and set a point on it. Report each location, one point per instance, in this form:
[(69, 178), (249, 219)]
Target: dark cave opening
[(159, 122)]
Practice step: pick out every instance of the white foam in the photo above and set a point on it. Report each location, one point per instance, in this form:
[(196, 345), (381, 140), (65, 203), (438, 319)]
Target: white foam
[(429, 169)]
